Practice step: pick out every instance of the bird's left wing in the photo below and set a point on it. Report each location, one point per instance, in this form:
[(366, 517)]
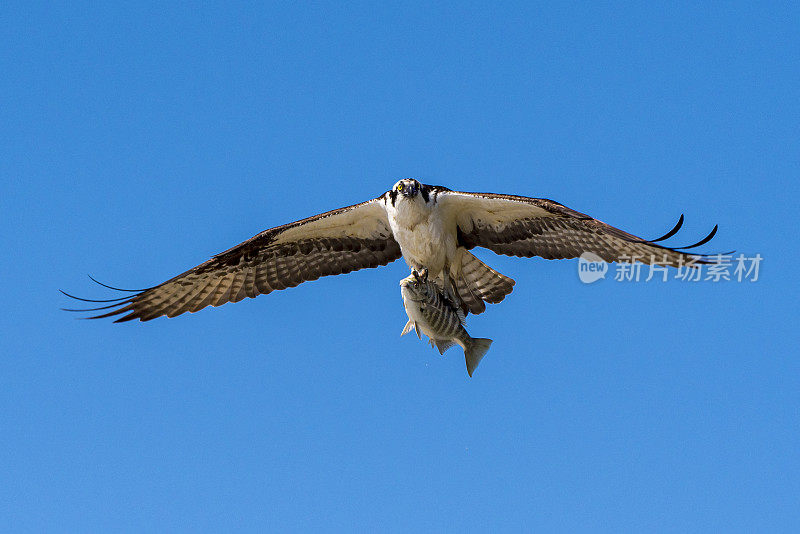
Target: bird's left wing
[(524, 226), (336, 242)]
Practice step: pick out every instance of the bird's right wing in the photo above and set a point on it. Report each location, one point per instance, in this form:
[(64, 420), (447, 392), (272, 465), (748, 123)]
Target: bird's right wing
[(336, 242)]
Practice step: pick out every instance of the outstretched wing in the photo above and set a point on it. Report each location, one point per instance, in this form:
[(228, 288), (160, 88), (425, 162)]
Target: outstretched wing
[(339, 241), (523, 226)]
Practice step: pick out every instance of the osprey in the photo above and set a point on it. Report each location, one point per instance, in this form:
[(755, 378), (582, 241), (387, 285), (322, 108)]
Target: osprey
[(431, 227)]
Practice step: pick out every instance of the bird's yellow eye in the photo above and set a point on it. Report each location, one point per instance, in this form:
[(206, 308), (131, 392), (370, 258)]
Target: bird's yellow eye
[(399, 187)]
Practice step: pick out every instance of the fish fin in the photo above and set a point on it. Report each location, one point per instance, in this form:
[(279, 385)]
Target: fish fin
[(442, 344), (409, 326), (475, 350), (416, 329)]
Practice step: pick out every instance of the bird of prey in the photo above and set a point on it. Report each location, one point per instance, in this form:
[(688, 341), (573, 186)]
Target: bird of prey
[(431, 227)]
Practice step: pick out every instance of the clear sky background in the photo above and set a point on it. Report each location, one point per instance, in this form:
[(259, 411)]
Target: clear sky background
[(137, 141)]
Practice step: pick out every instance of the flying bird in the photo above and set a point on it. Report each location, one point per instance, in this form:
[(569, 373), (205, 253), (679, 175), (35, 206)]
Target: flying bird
[(431, 227)]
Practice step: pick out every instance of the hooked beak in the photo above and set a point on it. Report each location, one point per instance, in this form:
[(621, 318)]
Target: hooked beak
[(409, 190)]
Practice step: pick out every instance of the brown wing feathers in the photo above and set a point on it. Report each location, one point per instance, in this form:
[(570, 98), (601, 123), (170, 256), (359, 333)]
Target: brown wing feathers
[(560, 232), (268, 262), (217, 281)]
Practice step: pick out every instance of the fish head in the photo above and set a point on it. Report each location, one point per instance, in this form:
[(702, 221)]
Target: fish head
[(413, 287)]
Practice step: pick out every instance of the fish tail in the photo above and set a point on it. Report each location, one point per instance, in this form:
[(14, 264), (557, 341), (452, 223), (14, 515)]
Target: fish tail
[(474, 351)]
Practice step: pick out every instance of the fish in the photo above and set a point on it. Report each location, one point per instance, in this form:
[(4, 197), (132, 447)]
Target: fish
[(433, 312)]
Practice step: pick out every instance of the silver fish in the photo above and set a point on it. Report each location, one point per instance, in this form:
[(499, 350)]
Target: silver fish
[(431, 311)]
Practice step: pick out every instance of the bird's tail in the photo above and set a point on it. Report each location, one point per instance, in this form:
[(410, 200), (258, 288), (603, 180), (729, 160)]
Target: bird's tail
[(476, 282)]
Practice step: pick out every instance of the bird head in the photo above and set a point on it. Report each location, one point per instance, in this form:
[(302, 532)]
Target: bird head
[(408, 187)]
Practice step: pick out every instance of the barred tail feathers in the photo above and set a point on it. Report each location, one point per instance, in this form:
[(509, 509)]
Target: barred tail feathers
[(476, 282)]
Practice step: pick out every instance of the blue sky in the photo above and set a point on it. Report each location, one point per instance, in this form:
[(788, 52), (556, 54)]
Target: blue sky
[(139, 140)]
